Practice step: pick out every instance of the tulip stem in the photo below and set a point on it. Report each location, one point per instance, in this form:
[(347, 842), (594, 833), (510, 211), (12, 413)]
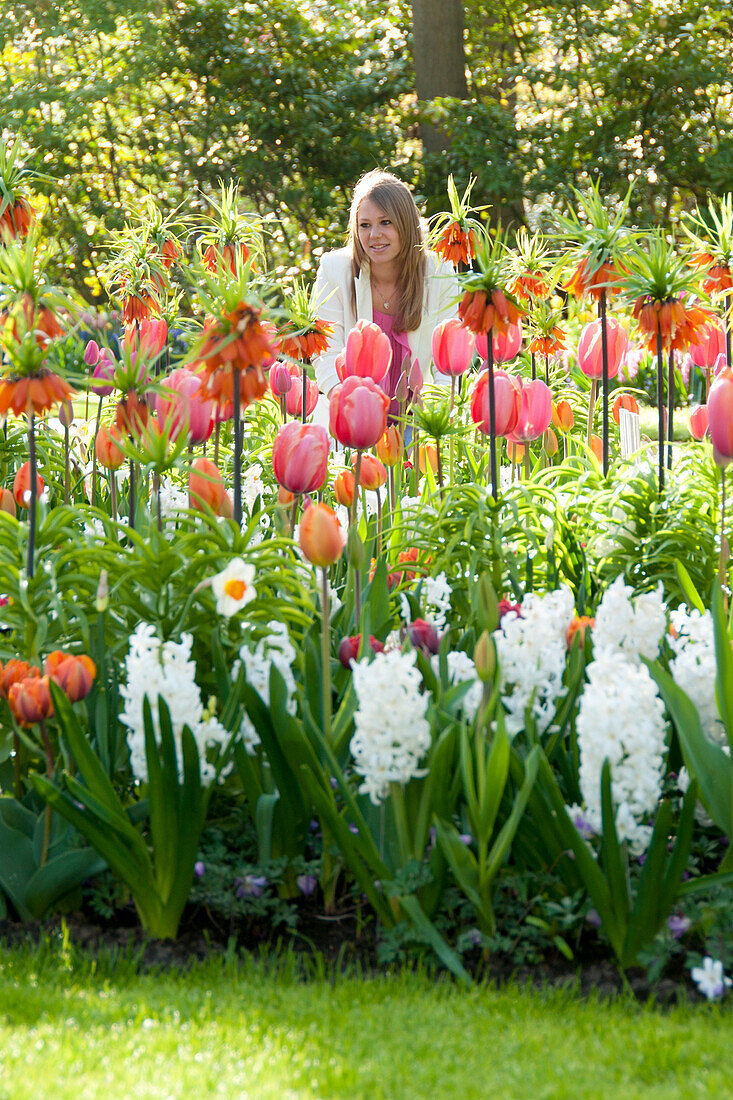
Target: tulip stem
[(604, 357), (547, 370), (305, 394), (17, 772), (325, 656), (534, 367), (113, 493), (591, 409), (94, 454), (67, 466), (293, 515), (439, 467), (34, 494), (527, 462), (237, 452), (217, 433), (724, 549), (392, 493), (357, 475), (379, 524), (415, 461), (492, 415), (660, 405), (131, 496), (670, 408)]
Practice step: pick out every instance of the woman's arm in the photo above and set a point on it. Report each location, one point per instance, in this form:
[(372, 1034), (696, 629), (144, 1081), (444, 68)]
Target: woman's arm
[(330, 294)]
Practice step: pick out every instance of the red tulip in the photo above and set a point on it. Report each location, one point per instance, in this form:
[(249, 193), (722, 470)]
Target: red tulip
[(322, 538), (30, 700), (189, 413), (372, 473), (507, 401), (590, 354), (7, 504), (720, 413), (506, 345), (368, 352), (13, 672), (148, 335), (535, 411), (300, 456), (452, 347), (358, 413), (699, 422), (709, 347), (22, 485)]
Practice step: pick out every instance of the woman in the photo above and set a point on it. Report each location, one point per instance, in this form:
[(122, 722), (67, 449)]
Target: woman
[(385, 275)]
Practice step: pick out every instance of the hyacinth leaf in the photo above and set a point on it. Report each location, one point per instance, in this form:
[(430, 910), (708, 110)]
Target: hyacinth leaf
[(162, 794), (612, 857), (688, 587), (447, 956), (464, 866), (724, 664), (503, 842), (88, 762), (363, 872), (62, 874), (707, 762)]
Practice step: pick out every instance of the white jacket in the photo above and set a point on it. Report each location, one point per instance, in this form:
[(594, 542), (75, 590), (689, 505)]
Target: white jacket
[(333, 293)]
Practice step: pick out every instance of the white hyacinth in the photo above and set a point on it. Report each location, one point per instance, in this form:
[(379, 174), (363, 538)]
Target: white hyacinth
[(274, 649), (693, 667), (532, 651), (392, 732), (621, 719), (461, 670), (633, 626), (155, 668)]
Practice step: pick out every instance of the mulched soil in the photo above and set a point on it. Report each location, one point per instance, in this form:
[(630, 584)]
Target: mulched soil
[(341, 944)]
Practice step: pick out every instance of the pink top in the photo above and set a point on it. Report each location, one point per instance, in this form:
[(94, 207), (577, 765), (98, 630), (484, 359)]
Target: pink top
[(400, 353)]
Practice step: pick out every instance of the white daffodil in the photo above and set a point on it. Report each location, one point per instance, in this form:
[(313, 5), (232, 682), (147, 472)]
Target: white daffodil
[(233, 587)]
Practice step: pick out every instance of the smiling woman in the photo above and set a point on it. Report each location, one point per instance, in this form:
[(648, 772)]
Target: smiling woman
[(384, 275)]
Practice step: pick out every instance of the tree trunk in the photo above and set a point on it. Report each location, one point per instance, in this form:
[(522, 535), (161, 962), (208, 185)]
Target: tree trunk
[(439, 58)]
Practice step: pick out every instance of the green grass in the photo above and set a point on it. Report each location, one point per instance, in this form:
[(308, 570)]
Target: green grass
[(72, 1028)]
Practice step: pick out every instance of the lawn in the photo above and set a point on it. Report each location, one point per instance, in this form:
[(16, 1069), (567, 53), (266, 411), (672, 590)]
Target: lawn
[(71, 1027)]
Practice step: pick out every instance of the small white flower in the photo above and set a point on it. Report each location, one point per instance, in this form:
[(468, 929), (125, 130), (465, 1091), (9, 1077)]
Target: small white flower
[(633, 626), (710, 979), (233, 587)]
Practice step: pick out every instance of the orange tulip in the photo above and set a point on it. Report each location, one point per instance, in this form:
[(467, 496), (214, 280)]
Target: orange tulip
[(22, 485), (206, 486), (391, 446), (562, 416), (596, 445), (428, 453), (577, 629), (13, 672), (7, 503), (110, 455), (322, 538), (624, 401), (74, 675), (372, 473), (343, 488)]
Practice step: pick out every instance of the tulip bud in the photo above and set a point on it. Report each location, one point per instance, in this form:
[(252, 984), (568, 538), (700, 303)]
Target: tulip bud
[(550, 442), (402, 391), (66, 414), (562, 416), (428, 453), (102, 599), (91, 353), (596, 446), (698, 422), (348, 649), (415, 377), (281, 381), (205, 486), (624, 401), (424, 636), (487, 605), (372, 474), (484, 657), (355, 549), (322, 537), (102, 378), (577, 629)]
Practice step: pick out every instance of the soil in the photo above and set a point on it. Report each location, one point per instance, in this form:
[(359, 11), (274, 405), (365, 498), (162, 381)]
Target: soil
[(341, 945)]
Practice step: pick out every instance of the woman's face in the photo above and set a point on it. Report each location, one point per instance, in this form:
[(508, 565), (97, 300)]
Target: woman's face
[(377, 233)]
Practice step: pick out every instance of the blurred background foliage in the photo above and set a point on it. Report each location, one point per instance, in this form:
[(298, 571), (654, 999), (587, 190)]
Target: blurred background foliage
[(117, 98)]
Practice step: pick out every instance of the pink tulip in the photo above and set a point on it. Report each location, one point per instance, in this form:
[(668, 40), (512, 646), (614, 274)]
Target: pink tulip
[(706, 351), (699, 421), (506, 345), (182, 405), (535, 412), (358, 413), (149, 336), (368, 352), (590, 353), (91, 353), (720, 363), (720, 413), (452, 347), (300, 456), (507, 402), (104, 372), (281, 381)]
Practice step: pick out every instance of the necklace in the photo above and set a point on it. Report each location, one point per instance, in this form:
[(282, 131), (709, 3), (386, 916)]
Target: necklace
[(380, 293)]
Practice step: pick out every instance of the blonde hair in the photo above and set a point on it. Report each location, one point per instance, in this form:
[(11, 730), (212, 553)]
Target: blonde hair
[(395, 198)]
